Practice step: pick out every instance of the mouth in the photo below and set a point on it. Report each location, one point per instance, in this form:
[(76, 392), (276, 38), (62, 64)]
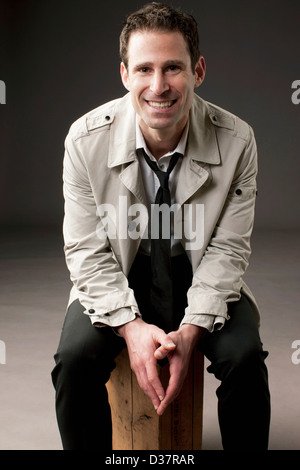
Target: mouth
[(161, 104)]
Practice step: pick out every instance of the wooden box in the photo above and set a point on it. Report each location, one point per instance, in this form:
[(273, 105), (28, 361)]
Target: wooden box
[(136, 425)]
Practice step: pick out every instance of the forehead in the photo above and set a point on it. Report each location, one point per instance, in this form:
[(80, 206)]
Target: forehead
[(155, 46)]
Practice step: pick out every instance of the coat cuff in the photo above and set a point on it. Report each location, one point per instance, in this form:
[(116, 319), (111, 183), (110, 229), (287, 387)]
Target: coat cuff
[(114, 318), (206, 311), (205, 303), (209, 322)]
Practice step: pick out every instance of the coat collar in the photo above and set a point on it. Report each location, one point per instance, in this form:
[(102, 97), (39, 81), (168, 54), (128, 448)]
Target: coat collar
[(202, 140), (202, 150), (122, 135)]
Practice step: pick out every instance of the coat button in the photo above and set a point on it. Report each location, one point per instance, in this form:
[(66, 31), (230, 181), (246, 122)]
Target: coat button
[(91, 310), (215, 118), (107, 118), (238, 192)]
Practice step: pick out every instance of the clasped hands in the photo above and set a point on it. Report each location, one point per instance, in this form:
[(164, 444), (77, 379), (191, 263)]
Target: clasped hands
[(147, 344)]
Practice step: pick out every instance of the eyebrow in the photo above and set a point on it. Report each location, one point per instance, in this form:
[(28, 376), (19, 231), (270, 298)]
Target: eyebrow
[(168, 63)]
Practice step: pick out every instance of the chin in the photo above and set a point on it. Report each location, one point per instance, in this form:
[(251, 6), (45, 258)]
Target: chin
[(158, 123)]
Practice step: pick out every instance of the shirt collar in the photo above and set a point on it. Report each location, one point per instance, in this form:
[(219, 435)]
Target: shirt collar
[(140, 141)]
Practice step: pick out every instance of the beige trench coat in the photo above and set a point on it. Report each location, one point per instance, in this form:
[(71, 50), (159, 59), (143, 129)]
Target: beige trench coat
[(102, 185)]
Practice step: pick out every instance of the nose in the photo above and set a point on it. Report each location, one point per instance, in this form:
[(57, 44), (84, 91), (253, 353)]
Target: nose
[(159, 83)]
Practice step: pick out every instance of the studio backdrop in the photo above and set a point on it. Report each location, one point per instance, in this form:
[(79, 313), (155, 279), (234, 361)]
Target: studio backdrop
[(60, 59)]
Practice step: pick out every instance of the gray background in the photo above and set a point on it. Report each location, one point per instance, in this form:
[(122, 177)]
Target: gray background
[(60, 59)]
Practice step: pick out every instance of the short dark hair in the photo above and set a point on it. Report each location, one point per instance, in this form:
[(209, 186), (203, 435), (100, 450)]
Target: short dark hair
[(159, 17)]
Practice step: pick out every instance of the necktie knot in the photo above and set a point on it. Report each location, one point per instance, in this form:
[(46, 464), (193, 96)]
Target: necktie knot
[(163, 176), (163, 193)]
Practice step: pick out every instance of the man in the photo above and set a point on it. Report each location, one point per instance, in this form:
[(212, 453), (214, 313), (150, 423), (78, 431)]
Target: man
[(111, 247)]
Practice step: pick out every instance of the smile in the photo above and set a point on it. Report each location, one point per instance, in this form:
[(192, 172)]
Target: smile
[(161, 104)]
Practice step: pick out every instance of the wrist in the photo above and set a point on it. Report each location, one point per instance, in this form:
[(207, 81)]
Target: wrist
[(191, 333), (123, 329)]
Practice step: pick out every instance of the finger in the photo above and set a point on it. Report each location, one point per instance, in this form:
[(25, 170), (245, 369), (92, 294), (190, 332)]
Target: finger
[(147, 388), (171, 393), (166, 346), (162, 351), (177, 377), (160, 337), (149, 382), (154, 381)]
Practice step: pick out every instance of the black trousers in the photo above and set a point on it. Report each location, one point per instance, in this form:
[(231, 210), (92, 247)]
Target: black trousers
[(85, 359)]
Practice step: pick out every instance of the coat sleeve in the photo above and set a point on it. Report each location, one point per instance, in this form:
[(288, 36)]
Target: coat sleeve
[(218, 278), (98, 280)]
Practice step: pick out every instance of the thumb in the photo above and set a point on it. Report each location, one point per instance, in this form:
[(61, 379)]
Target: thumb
[(166, 346)]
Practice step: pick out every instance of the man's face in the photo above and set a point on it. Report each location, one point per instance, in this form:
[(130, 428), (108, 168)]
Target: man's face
[(160, 79)]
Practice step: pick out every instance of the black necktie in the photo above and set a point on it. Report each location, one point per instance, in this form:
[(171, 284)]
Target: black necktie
[(161, 289)]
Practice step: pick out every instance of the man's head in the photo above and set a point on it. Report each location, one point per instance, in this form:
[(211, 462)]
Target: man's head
[(158, 17), (159, 69)]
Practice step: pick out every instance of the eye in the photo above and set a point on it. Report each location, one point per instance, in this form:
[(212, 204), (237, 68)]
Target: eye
[(173, 68), (144, 69)]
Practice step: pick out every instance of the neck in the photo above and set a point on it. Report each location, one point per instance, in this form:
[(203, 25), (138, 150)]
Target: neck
[(161, 141)]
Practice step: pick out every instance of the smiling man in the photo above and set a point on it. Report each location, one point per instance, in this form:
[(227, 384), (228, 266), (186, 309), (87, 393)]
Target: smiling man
[(160, 146), (161, 78)]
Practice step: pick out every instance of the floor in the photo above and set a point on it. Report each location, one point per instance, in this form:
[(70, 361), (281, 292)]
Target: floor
[(34, 291)]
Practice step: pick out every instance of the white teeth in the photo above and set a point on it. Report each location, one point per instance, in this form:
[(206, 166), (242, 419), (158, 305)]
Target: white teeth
[(160, 105)]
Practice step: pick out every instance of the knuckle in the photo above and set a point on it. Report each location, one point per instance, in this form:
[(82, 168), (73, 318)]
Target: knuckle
[(152, 376)]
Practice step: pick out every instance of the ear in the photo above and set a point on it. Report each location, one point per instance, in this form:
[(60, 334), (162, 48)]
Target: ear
[(200, 70), (124, 76)]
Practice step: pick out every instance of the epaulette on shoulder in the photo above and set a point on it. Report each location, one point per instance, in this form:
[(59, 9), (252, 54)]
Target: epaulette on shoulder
[(224, 119), (94, 120)]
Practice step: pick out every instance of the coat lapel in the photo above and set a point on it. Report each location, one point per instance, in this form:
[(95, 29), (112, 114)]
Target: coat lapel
[(132, 179), (122, 149), (202, 152)]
